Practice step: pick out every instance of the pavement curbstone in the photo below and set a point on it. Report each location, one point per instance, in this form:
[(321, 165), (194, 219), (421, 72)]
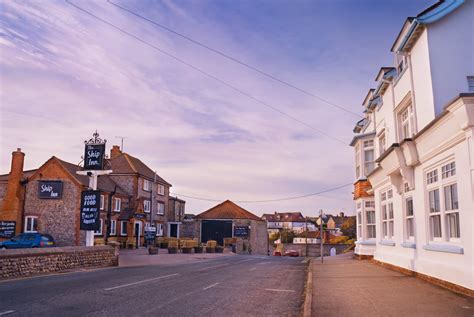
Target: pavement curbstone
[(308, 301)]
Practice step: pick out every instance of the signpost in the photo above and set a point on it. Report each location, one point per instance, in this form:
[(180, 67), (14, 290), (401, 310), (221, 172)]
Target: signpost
[(90, 208), (7, 229), (150, 233), (50, 189), (94, 155)]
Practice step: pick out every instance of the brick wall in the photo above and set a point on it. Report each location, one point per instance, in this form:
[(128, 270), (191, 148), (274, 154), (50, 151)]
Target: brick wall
[(188, 229), (25, 262)]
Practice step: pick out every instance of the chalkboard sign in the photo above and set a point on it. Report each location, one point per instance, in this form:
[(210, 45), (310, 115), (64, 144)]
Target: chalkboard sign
[(241, 231), (94, 156), (90, 204), (150, 233), (7, 229), (50, 189)]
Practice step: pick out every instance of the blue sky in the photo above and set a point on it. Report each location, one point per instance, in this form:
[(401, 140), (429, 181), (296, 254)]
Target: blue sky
[(64, 74)]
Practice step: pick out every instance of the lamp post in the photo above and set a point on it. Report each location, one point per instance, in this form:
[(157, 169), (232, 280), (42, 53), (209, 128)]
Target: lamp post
[(321, 235)]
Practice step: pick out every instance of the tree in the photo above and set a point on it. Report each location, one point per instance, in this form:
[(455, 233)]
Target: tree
[(348, 227)]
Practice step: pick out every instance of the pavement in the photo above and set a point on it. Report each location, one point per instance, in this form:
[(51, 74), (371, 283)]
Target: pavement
[(344, 286), (226, 285), (140, 257)]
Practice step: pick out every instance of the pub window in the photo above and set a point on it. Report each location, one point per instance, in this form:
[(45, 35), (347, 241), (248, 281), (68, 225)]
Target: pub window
[(117, 204), (159, 229), (146, 206), (102, 202), (161, 190), (99, 232), (31, 224), (161, 208), (123, 228), (113, 227), (146, 185)]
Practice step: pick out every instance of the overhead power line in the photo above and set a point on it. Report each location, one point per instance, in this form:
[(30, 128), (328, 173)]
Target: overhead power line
[(265, 200), (234, 59), (207, 74)]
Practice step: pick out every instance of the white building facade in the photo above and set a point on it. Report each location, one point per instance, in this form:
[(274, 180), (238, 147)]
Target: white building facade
[(414, 189)]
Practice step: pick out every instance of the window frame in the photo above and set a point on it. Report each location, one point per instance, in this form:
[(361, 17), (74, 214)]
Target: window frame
[(409, 121), (117, 206), (387, 214), (146, 185), (158, 204), (160, 190), (159, 229), (33, 222), (146, 203), (100, 231), (102, 202), (113, 225), (123, 224)]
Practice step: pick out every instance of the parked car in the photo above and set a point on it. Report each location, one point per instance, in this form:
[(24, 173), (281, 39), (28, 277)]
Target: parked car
[(28, 240), (291, 253)]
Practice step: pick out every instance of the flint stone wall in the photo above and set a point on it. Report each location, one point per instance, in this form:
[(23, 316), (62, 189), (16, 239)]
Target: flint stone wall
[(26, 262)]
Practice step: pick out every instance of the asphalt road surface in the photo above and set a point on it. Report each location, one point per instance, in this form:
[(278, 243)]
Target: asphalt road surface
[(228, 286)]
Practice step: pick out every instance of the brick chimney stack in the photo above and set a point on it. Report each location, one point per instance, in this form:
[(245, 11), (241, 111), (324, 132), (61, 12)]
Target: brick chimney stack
[(115, 151), (11, 207)]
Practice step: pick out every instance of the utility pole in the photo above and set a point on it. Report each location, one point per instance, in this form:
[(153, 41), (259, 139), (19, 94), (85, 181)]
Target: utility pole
[(306, 233), (321, 234)]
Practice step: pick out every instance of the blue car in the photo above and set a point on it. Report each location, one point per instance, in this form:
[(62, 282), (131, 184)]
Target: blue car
[(28, 240)]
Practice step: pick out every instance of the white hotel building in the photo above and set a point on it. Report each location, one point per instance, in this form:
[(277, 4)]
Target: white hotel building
[(414, 188)]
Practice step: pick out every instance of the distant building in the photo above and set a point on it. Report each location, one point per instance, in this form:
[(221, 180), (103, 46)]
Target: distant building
[(293, 221), (414, 151), (176, 209)]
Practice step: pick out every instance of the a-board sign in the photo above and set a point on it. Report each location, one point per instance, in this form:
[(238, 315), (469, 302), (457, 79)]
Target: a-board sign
[(50, 189), (7, 229), (94, 157), (241, 231), (89, 213), (150, 233)]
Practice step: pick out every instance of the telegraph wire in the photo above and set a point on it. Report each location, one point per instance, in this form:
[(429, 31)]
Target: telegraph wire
[(207, 74), (265, 200), (234, 59)]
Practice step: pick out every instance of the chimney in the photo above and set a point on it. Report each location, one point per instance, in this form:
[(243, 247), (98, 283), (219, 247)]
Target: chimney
[(115, 151), (11, 203)]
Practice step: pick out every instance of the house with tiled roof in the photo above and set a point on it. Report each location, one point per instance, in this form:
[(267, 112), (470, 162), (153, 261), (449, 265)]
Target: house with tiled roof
[(294, 221), (229, 221)]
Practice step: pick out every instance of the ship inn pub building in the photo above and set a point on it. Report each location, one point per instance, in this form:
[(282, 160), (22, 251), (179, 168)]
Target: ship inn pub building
[(414, 151)]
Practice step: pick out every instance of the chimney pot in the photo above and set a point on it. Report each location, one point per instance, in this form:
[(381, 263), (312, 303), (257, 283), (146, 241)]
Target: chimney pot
[(115, 151)]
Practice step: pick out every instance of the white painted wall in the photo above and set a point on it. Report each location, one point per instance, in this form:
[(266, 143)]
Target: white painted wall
[(451, 45)]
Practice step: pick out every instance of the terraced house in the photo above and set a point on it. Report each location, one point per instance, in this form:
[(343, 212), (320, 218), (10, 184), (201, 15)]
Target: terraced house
[(414, 151)]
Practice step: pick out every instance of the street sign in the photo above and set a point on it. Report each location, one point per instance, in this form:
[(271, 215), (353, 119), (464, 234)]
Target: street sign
[(7, 229), (94, 156), (50, 189), (90, 204), (241, 231)]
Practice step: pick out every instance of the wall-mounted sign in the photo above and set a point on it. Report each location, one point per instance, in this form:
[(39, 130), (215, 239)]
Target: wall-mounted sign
[(7, 229), (94, 156), (139, 216), (50, 189), (89, 213), (241, 231)]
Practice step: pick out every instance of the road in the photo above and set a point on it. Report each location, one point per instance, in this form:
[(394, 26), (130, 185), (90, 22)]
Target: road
[(228, 286)]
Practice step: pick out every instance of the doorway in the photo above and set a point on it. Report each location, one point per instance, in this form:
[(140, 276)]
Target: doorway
[(137, 233), (216, 230), (173, 230)]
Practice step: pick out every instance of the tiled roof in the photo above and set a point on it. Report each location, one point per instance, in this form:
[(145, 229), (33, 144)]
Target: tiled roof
[(26, 174), (227, 210), (284, 216), (127, 164), (104, 182)]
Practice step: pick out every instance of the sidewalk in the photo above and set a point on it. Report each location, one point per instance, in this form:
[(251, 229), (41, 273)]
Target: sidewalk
[(140, 257), (344, 286)]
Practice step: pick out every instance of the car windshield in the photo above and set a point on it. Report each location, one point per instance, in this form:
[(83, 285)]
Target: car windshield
[(22, 236)]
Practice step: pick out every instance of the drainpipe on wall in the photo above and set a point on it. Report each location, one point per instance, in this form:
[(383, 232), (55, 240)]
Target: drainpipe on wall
[(109, 215), (22, 221)]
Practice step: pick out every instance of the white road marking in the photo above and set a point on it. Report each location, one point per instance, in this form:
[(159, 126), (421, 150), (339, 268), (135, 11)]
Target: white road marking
[(305, 261), (211, 267), (252, 269), (140, 282), (208, 287), (7, 312), (279, 290)]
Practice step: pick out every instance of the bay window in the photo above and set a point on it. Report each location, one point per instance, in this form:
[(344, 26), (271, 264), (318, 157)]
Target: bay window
[(368, 156), (387, 215)]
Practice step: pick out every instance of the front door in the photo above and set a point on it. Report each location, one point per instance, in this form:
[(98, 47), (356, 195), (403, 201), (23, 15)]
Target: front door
[(216, 230), (173, 230), (137, 233)]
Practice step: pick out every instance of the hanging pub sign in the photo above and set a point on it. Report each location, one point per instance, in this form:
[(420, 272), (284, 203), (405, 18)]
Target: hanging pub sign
[(7, 229), (241, 231), (89, 213), (50, 189), (94, 156)]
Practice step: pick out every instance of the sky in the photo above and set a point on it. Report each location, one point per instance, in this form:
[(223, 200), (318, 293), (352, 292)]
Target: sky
[(64, 74)]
